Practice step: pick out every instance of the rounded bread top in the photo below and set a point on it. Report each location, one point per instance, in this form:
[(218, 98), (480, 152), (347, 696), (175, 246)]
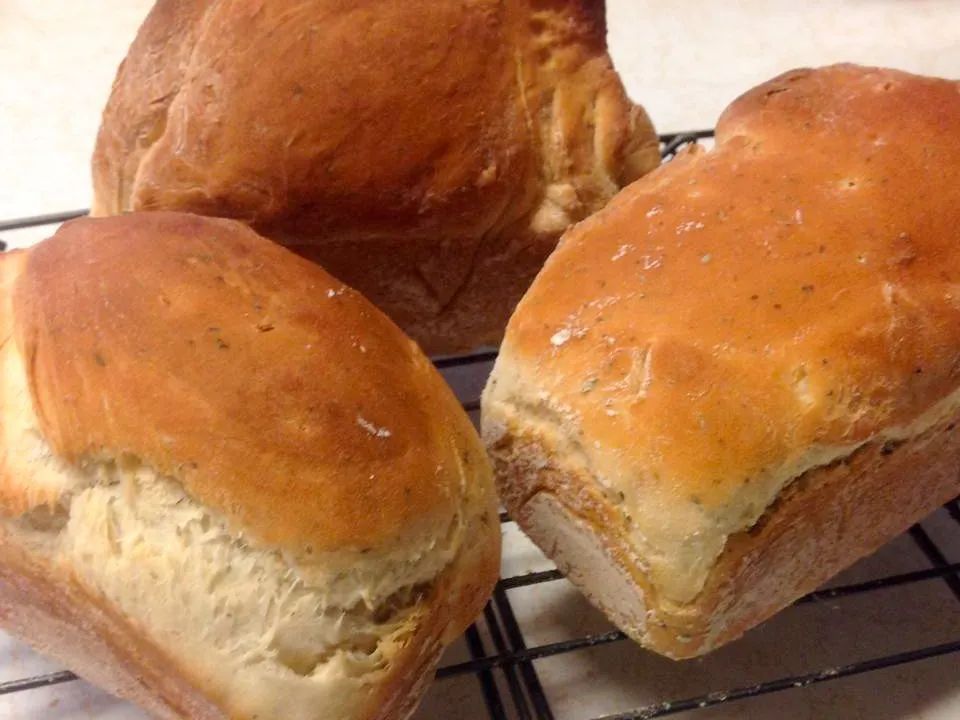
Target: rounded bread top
[(378, 119), (276, 395), (745, 313)]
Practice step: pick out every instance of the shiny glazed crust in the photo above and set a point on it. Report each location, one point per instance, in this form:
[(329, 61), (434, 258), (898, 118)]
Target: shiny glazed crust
[(694, 361), (196, 328), (427, 153), (160, 363)]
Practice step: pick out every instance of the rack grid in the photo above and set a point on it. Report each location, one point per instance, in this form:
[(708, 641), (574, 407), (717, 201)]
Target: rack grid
[(502, 649)]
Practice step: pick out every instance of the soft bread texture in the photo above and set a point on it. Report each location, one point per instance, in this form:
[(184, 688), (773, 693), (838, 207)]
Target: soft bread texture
[(221, 498), (427, 152), (743, 375)]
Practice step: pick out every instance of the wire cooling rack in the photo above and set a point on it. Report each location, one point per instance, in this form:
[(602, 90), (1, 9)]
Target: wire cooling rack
[(505, 665)]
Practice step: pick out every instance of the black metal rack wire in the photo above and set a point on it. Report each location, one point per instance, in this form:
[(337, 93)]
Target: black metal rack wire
[(503, 648)]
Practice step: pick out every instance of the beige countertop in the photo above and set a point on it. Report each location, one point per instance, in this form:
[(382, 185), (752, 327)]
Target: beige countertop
[(684, 60)]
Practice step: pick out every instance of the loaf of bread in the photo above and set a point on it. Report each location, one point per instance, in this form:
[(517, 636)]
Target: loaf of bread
[(229, 486), (744, 374), (427, 152)]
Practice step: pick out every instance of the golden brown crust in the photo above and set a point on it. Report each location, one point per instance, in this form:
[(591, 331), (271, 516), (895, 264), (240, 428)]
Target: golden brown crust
[(121, 328), (187, 342), (768, 288), (455, 601), (147, 81), (433, 170), (744, 315)]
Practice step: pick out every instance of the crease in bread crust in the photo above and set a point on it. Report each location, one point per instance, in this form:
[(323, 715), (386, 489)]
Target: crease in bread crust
[(152, 127)]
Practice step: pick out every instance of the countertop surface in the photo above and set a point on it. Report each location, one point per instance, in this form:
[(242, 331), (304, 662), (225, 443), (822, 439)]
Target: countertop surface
[(685, 61)]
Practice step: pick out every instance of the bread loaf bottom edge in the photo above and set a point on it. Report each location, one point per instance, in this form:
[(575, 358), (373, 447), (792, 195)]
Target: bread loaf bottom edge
[(822, 522)]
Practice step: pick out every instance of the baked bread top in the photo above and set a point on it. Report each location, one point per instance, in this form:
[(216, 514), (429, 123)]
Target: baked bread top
[(314, 427), (744, 314), (411, 147), (229, 486)]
